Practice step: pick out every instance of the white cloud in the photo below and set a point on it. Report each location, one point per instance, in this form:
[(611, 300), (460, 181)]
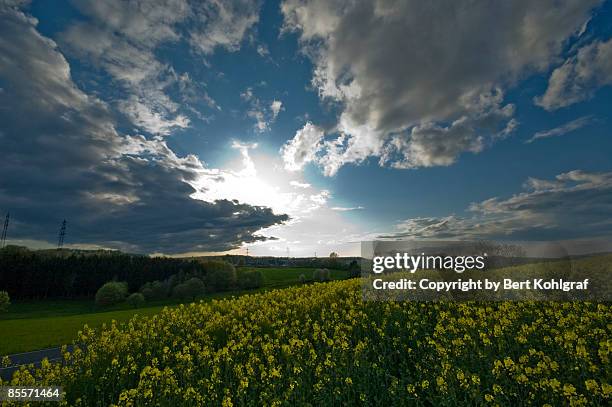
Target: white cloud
[(276, 108), (346, 209), (418, 83), (563, 129), (262, 50), (575, 204), (121, 37), (154, 122), (264, 116), (302, 148), (222, 23), (298, 184), (579, 77)]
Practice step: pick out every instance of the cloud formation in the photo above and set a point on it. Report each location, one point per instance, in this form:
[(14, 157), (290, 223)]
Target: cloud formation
[(64, 158), (346, 209), (575, 204), (263, 115), (563, 129), (579, 77), (303, 148), (121, 38), (417, 83)]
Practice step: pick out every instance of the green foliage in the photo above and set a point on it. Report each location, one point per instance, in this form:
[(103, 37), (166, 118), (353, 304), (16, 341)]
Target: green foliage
[(302, 279), (321, 275), (154, 290), (74, 274), (195, 287), (111, 293), (136, 300), (220, 275), (5, 301), (250, 279), (180, 291), (354, 269), (190, 289)]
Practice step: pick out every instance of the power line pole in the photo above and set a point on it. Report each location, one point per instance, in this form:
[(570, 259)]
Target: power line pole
[(4, 230), (62, 234)]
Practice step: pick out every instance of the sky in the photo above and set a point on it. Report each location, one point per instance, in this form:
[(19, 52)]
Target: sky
[(303, 126)]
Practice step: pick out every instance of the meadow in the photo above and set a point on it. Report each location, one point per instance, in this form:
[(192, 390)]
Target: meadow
[(33, 325), (321, 344)]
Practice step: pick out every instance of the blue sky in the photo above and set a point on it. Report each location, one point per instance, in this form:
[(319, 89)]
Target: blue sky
[(181, 127)]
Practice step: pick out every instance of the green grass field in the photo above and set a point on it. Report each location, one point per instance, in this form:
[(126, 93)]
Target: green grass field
[(36, 325)]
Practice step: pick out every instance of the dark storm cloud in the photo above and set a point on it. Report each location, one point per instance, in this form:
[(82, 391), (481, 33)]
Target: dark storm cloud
[(63, 158)]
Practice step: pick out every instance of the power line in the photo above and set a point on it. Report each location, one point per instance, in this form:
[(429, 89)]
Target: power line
[(4, 230), (62, 234)]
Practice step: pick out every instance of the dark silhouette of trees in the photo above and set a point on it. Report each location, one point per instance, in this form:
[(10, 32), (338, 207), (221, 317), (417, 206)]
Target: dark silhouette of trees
[(27, 274)]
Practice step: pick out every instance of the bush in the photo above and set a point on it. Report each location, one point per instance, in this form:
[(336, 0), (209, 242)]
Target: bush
[(220, 275), (195, 287), (136, 300), (5, 301), (155, 290), (111, 293), (321, 275), (354, 269), (250, 279), (302, 279), (180, 291), (190, 289)]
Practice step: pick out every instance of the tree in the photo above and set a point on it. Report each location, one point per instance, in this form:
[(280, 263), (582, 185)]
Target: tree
[(321, 275), (136, 300), (111, 293), (5, 301), (354, 269), (195, 287), (154, 290), (333, 260), (180, 291), (190, 289), (220, 275), (250, 279)]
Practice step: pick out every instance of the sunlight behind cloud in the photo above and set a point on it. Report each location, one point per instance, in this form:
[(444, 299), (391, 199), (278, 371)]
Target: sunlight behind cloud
[(262, 180)]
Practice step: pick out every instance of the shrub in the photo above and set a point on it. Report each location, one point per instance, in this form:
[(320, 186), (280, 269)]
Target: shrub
[(136, 300), (321, 275), (250, 279), (354, 269), (5, 301), (190, 289), (302, 279), (195, 287), (180, 291), (220, 275), (155, 290), (111, 293)]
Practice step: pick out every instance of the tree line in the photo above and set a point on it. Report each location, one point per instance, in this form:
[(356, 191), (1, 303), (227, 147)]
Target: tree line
[(28, 274)]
